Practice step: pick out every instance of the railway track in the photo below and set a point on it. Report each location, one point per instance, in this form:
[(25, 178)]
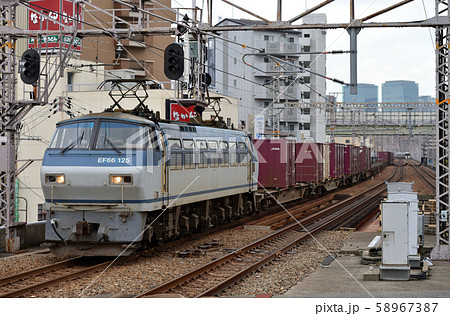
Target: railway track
[(426, 175), (24, 283), (212, 278), (280, 218)]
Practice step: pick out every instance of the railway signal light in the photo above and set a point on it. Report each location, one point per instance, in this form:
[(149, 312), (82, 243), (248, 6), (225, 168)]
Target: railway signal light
[(174, 61), (29, 66)]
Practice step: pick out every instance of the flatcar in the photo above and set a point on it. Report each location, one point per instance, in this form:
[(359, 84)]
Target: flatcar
[(114, 182)]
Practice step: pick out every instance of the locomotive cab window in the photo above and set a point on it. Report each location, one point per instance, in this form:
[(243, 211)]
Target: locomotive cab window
[(117, 135), (73, 136)]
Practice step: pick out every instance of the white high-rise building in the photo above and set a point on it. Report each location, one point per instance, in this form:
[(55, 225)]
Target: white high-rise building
[(251, 77)]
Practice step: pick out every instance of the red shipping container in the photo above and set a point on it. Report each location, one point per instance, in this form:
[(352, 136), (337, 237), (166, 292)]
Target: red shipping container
[(276, 162), (368, 158), (337, 160), (348, 160), (355, 159), (362, 158), (309, 162), (384, 156)]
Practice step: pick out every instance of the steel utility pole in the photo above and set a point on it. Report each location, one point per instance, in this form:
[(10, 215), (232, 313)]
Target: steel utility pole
[(8, 111), (12, 110), (442, 247)]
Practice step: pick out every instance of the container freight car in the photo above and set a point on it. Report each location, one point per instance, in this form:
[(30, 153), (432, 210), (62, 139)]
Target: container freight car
[(364, 158), (351, 160), (309, 162), (385, 156), (336, 160), (368, 159), (277, 162)]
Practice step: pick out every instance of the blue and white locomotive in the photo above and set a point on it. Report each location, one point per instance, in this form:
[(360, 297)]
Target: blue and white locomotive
[(114, 182)]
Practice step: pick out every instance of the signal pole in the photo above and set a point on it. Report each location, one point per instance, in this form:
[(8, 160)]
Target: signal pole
[(8, 112)]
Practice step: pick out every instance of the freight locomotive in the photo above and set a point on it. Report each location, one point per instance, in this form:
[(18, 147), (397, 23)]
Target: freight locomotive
[(114, 182)]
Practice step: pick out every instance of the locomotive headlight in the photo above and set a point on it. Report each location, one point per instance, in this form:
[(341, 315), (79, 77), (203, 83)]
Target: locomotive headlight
[(55, 178), (117, 180), (60, 179), (120, 179)]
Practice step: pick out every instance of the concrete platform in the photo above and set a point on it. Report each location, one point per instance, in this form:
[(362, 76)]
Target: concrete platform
[(344, 277)]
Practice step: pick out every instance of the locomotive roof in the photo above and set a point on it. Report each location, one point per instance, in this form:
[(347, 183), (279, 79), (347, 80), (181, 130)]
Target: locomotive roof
[(131, 117), (112, 115)]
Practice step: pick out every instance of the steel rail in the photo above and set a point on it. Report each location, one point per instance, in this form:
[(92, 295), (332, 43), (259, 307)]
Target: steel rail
[(30, 273), (68, 276), (425, 176), (315, 222), (271, 220)]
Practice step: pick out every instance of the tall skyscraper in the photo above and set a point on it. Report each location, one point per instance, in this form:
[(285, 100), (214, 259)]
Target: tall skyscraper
[(400, 91), (367, 93)]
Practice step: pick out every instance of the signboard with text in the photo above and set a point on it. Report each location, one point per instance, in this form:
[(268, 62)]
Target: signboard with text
[(56, 15), (177, 112)]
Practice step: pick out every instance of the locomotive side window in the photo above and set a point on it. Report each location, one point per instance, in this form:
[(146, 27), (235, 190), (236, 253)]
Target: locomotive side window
[(233, 153), (201, 144), (213, 154), (73, 136), (242, 153), (174, 144), (115, 135), (176, 155), (189, 147), (223, 146)]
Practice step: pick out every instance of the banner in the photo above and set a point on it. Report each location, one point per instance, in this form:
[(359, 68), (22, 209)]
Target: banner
[(56, 15)]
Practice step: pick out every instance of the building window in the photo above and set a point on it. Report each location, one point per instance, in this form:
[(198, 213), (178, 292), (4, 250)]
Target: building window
[(266, 59), (228, 122), (269, 38), (306, 49), (307, 35), (266, 103), (307, 126), (307, 79), (234, 83), (235, 61), (266, 37), (306, 95), (291, 40), (347, 141), (70, 81)]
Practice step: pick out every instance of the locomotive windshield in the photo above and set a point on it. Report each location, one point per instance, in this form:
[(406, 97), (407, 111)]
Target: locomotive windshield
[(75, 135), (107, 135), (121, 136)]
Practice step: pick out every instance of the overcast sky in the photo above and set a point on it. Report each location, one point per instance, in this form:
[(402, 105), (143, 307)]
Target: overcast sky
[(383, 53)]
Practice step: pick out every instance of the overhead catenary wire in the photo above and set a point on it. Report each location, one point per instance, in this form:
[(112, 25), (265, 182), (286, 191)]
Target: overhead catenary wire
[(172, 21)]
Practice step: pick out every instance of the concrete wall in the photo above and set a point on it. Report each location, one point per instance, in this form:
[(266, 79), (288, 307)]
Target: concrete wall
[(32, 234)]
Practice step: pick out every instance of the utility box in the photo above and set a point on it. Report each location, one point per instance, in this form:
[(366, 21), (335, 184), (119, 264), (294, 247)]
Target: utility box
[(403, 192), (394, 236)]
